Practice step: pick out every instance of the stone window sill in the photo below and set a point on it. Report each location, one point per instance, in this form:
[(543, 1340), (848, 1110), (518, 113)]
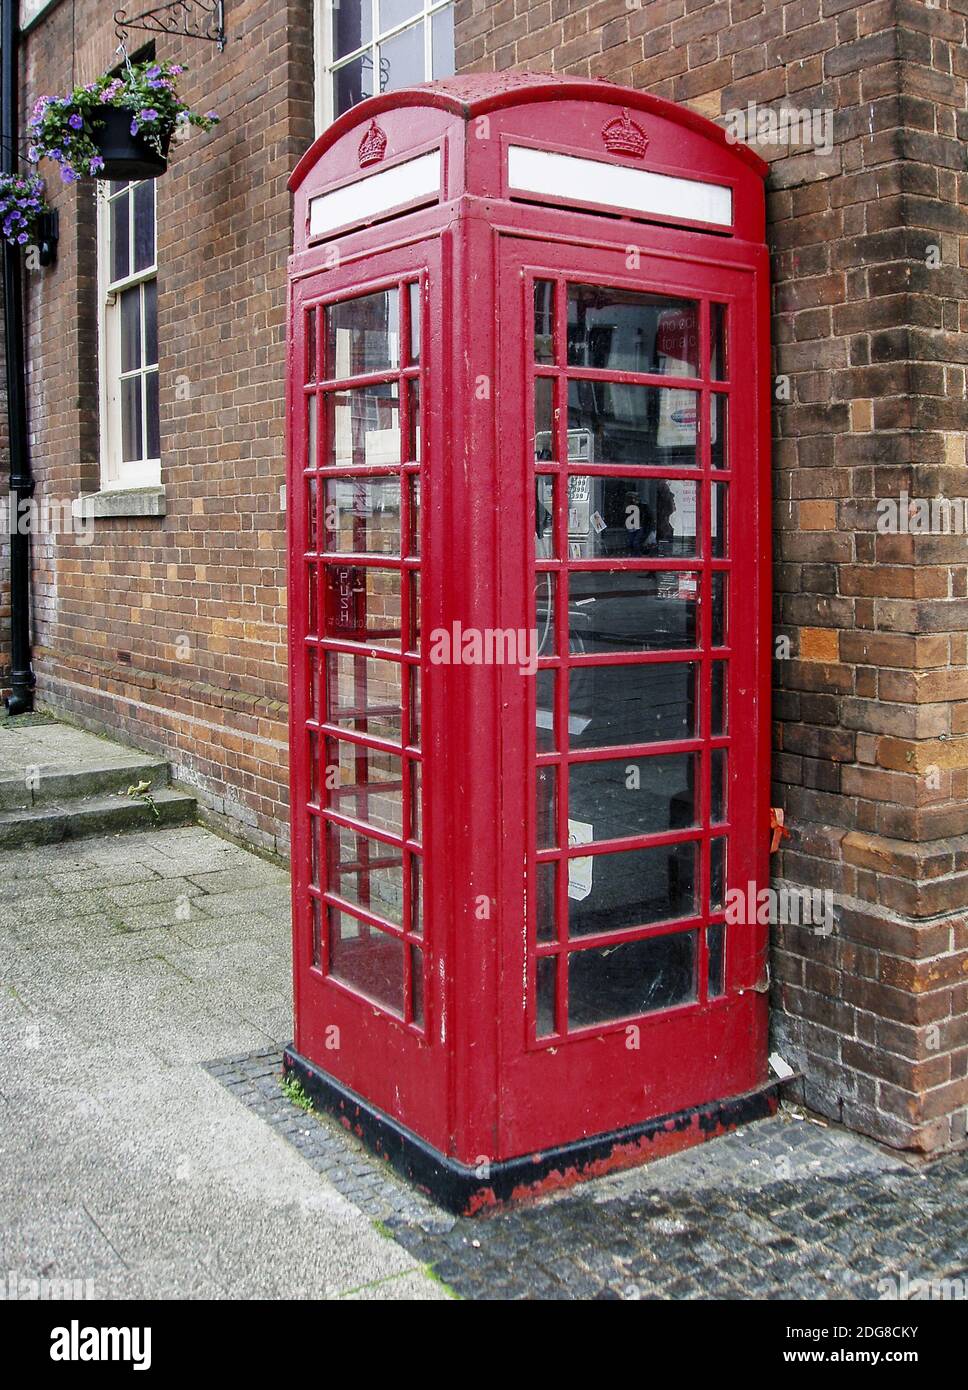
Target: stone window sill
[(128, 501)]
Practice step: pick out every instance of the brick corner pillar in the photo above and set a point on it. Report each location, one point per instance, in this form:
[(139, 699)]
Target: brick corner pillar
[(870, 244)]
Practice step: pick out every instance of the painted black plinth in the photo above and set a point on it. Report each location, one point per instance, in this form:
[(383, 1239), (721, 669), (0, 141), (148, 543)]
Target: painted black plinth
[(466, 1191)]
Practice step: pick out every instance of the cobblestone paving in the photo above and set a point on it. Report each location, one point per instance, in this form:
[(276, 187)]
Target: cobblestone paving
[(783, 1209)]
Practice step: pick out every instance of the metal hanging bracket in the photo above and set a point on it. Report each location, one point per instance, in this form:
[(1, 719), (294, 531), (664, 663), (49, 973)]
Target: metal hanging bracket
[(194, 19)]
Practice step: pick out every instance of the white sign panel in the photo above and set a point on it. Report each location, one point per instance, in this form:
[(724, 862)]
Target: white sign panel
[(413, 181), (614, 185)]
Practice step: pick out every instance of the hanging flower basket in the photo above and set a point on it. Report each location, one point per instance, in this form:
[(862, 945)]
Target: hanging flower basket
[(23, 206), (118, 127)]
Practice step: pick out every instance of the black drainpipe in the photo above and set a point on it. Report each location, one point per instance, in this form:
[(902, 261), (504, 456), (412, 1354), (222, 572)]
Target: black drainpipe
[(21, 697)]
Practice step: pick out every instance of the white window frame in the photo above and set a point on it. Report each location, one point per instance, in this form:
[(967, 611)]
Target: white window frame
[(326, 65), (116, 473)]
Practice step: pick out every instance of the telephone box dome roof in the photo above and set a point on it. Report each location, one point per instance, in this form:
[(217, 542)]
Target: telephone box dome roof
[(478, 93)]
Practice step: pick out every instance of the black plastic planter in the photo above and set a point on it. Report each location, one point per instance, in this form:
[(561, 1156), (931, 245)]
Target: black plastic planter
[(125, 156)]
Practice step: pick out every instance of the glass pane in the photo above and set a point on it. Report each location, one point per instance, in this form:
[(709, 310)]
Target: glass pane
[(416, 897), (547, 970), (363, 335), (317, 920), (718, 799), (352, 83), (715, 946), (546, 875), (413, 450), (131, 406), (634, 796), (312, 345), (718, 366), (394, 12), (545, 684), (150, 289), (416, 308), (633, 888), (718, 624), (362, 515), (364, 694), (363, 605), (363, 427), (417, 986), (416, 800), (718, 720), (144, 225), (649, 703), (367, 960), (352, 26), (544, 320), (632, 610), (413, 679), (649, 425), (717, 872), (622, 331), (634, 517), (544, 438), (544, 517), (402, 60), (637, 977), (152, 421), (312, 453), (718, 405), (413, 492), (120, 233), (131, 329), (544, 606), (365, 784), (366, 872), (413, 621), (718, 520), (442, 42), (546, 807)]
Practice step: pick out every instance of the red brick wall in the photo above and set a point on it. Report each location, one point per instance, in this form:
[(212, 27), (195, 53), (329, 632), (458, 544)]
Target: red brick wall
[(171, 631), (871, 712)]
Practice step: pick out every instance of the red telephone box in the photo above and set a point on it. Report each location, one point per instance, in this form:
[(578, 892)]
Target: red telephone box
[(529, 518)]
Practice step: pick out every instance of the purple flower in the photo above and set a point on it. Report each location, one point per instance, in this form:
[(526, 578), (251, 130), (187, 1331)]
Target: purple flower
[(153, 71), (33, 154), (67, 174), (76, 122), (22, 238), (135, 127), (148, 114), (211, 115), (96, 165), (176, 68)]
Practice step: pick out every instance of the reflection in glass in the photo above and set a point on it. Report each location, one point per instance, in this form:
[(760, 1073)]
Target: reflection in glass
[(416, 896), (352, 26), (718, 722), (544, 516), (353, 81), (363, 427), (365, 872), (442, 42), (545, 684), (547, 969), (131, 329), (144, 225), (120, 237), (131, 419), (718, 443), (718, 799), (716, 948), (364, 694), (634, 796), (632, 610), (637, 518), (546, 875), (544, 602), (718, 519), (717, 871), (623, 331), (718, 365), (363, 335), (544, 438), (544, 320), (633, 888), (402, 59), (364, 784), (718, 624), (644, 703), (417, 986), (362, 515), (645, 425), (363, 605), (546, 807), (367, 960), (415, 321), (636, 977)]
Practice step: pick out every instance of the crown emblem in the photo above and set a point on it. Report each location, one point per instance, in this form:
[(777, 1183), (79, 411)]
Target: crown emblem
[(623, 136), (373, 146)]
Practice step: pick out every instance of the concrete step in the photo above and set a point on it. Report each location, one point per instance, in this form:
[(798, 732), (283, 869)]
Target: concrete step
[(105, 814), (49, 763)]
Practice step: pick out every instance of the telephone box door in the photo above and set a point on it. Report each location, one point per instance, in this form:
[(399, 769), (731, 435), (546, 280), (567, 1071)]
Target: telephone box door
[(363, 364), (628, 435)]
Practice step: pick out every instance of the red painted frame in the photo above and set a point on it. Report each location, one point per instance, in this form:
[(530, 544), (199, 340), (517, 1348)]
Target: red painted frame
[(472, 1080)]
